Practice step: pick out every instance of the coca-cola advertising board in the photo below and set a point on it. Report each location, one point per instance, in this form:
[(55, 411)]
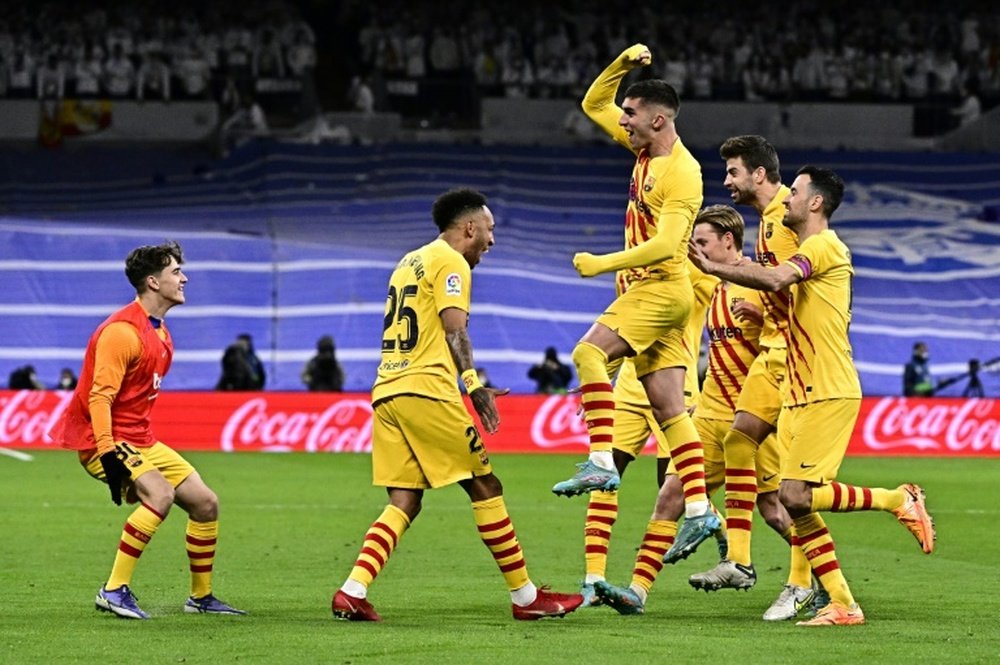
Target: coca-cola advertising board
[(341, 422)]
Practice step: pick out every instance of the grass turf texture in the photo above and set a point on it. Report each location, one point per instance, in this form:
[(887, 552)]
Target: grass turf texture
[(291, 526)]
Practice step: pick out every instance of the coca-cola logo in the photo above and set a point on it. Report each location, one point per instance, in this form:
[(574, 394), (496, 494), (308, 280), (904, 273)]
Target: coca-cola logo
[(557, 423), (26, 416), (930, 425), (344, 426)]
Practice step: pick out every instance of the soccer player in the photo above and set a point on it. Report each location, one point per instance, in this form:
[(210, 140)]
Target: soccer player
[(647, 321), (423, 437), (634, 423), (822, 395), (108, 423), (734, 322), (752, 456)]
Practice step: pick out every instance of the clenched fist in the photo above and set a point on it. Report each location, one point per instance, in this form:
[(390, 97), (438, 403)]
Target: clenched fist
[(637, 55), (586, 264)]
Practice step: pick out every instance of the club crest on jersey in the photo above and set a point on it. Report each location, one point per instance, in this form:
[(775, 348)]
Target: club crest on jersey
[(769, 230), (648, 185), (453, 284)]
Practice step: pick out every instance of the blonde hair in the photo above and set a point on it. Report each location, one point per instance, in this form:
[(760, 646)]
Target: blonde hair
[(724, 219)]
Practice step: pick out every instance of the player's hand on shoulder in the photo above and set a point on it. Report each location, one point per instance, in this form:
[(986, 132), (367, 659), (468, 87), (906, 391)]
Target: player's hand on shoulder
[(585, 264), (637, 55)]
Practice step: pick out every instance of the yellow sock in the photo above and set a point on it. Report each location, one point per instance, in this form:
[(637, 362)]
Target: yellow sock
[(497, 533), (741, 493), (688, 455), (841, 498), (201, 538), (596, 396), (816, 543), (799, 571), (656, 541), (140, 527), (380, 541), (602, 511)]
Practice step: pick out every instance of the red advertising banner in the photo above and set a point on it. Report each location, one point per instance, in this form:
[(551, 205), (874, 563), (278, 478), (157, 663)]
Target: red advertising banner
[(341, 422)]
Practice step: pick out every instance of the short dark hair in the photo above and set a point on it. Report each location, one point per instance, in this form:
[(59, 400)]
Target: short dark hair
[(148, 260), (724, 219), (655, 91), (453, 204), (756, 152), (827, 184)]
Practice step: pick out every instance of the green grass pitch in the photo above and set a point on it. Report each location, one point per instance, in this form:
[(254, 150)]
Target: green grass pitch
[(291, 526)]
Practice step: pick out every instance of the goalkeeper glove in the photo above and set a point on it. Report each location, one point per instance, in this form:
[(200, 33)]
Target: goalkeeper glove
[(115, 473)]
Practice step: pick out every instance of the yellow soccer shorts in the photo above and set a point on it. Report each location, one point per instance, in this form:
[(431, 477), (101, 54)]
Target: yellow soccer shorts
[(633, 426), (651, 317), (769, 457), (421, 443), (816, 436), (139, 460), (761, 392), (712, 432)]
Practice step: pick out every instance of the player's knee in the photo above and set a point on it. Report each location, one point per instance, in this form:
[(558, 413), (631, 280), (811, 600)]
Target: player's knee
[(796, 501), (587, 356), (773, 512), (160, 497), (207, 508)]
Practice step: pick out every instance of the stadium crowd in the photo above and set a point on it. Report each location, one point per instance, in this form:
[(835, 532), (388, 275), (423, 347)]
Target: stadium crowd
[(150, 51), (893, 51)]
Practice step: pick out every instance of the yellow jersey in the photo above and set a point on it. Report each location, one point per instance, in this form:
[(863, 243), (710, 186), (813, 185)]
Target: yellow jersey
[(733, 344), (820, 363), (415, 355), (776, 243)]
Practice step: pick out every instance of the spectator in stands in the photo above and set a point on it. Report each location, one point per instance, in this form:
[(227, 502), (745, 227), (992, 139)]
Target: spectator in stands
[(323, 373), (414, 50), (67, 379), (88, 72), (193, 70), (970, 108), (809, 72), (153, 78), (517, 76), (444, 54), (944, 73), (888, 79), (25, 378), (551, 375), (50, 81), (237, 50), (301, 55), (119, 73), (360, 95), (917, 381), (294, 30), (21, 74), (268, 60), (247, 122), (241, 368)]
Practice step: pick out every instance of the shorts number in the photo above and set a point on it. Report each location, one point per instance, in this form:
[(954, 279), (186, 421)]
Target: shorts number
[(474, 444), (123, 451), (397, 311)]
